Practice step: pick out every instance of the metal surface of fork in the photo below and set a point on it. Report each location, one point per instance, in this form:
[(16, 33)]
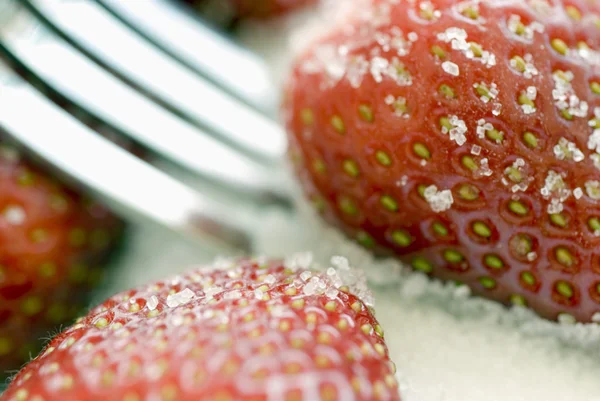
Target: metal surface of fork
[(154, 73)]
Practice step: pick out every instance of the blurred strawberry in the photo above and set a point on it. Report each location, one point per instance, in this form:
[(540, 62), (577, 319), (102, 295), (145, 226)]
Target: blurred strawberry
[(463, 136), (226, 10), (267, 8), (253, 331), (53, 246)]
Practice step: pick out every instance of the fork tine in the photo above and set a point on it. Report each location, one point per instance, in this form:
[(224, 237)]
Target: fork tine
[(124, 181), (105, 39), (98, 92), (186, 38)]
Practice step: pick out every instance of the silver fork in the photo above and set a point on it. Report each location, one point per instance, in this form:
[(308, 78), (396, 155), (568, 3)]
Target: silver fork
[(157, 74)]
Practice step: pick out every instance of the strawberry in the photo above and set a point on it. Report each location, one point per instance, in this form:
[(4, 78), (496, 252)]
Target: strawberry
[(255, 9), (250, 330), (53, 244), (463, 137), (267, 8)]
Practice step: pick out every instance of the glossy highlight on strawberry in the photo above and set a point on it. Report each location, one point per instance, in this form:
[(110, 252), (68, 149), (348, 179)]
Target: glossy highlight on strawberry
[(463, 137), (242, 330), (54, 244)]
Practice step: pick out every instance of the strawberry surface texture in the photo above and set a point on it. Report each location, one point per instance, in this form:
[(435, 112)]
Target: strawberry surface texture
[(463, 137), (54, 244), (267, 8), (242, 330)]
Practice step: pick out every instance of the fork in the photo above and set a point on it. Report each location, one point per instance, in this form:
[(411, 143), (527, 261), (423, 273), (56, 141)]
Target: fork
[(157, 74)]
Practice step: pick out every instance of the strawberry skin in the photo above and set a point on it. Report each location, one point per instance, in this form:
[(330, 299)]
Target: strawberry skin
[(463, 137), (255, 9), (267, 8), (249, 330), (53, 246)]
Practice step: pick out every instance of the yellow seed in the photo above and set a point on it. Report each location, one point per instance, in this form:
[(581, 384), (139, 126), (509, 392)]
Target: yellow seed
[(487, 282), (566, 114), (6, 346), (291, 291), (101, 323), (338, 124), (483, 91), (347, 206), (421, 150), (31, 306), (366, 328), (493, 262), (21, 394), (356, 307), (573, 13), (445, 123), (438, 51), (518, 208), (440, 229), (380, 349), (565, 289), (564, 256), (77, 237), (525, 100), (47, 269), (559, 46), (495, 135), (383, 158), (366, 113), (319, 166), (342, 324), (453, 256), (514, 174), (476, 49), (402, 238), (482, 229), (389, 203), (421, 264), (39, 235), (583, 46), (298, 303), (558, 219), (322, 361), (530, 140), (519, 300), (311, 318), (331, 306), (447, 91), (169, 392), (520, 28), (470, 12), (351, 168), (519, 63), (324, 338), (595, 87), (468, 192), (307, 116), (390, 381)]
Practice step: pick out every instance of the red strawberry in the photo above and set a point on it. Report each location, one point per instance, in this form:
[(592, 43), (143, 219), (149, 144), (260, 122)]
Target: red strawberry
[(257, 9), (53, 244), (267, 8), (257, 330), (463, 136)]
